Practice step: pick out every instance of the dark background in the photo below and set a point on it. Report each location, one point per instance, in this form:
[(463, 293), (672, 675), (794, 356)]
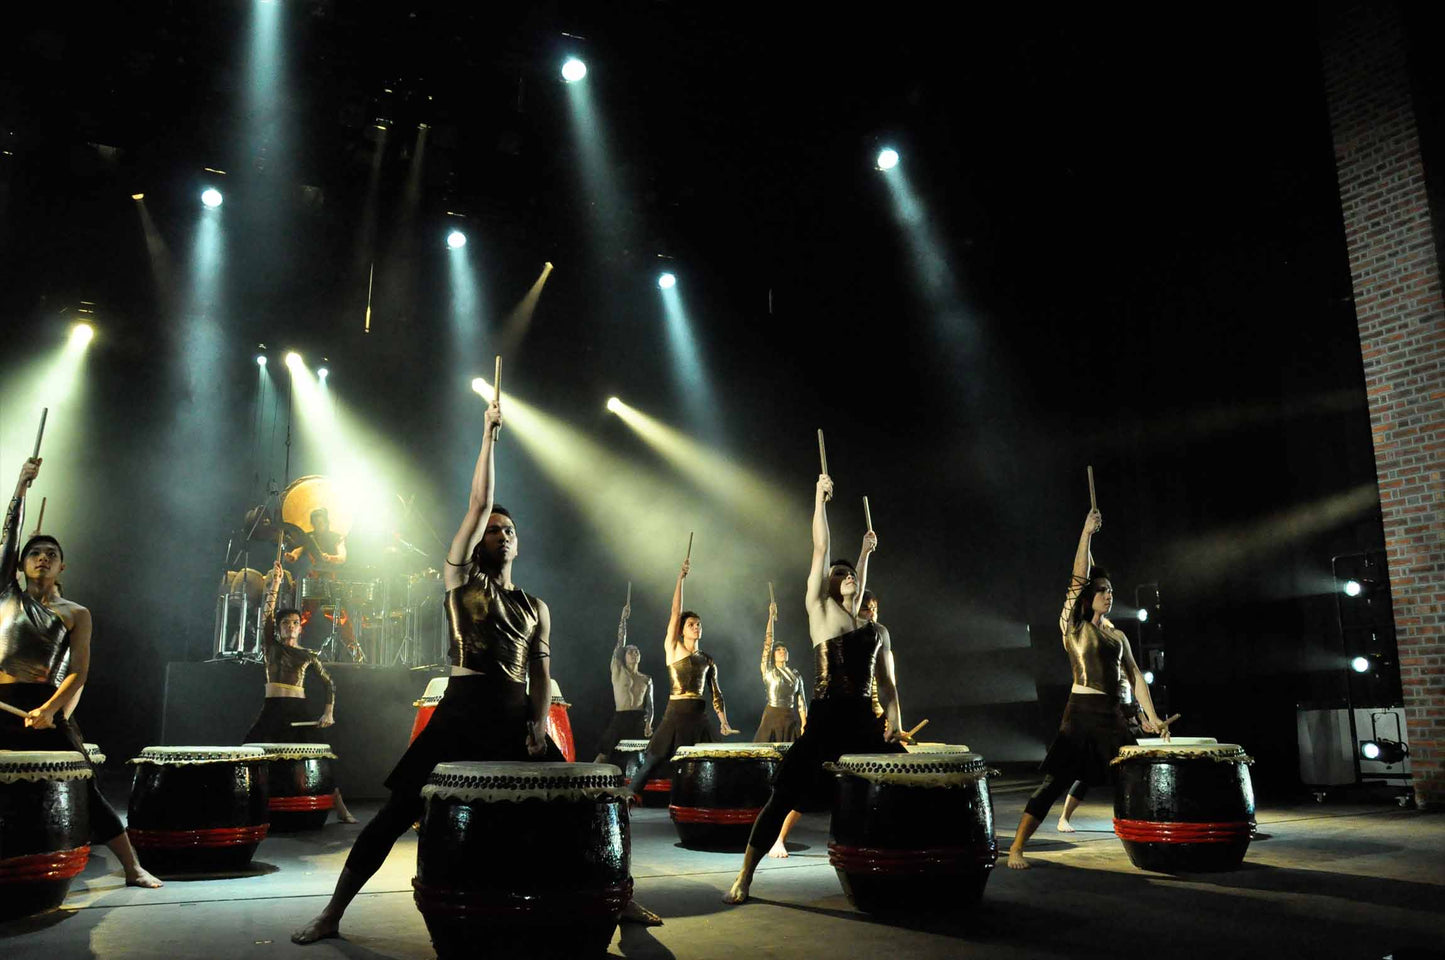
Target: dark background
[(1148, 274)]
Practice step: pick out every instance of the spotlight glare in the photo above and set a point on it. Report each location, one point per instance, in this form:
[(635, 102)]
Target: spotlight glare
[(573, 70), (1149, 676), (293, 359), (1353, 588), (887, 158), (613, 405), (81, 334), (322, 373), (1360, 664), (1143, 614), (1370, 750), (137, 196), (261, 360), (211, 197), (456, 239), (666, 282)]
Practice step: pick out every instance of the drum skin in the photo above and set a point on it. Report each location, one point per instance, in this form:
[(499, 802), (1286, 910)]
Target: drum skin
[(529, 878), (901, 849), (715, 799), (44, 843), (1184, 815), (657, 791), (207, 817)]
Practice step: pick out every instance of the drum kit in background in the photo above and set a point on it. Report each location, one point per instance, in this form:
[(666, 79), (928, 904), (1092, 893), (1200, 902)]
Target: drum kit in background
[(389, 614)]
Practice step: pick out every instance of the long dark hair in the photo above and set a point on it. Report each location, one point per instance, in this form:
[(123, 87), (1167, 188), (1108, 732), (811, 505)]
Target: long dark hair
[(473, 562), (1084, 603)]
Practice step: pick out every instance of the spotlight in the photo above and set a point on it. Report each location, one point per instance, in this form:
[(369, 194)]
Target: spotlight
[(137, 196), (293, 359), (322, 373), (261, 360), (1384, 751), (1143, 614), (456, 239), (1149, 676), (1353, 588), (613, 404), (887, 158), (573, 70), (81, 334), (1360, 664), (666, 282), (211, 197)]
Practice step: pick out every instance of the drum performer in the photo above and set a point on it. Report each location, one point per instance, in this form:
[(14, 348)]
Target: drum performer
[(1094, 724), (325, 553), (787, 711), (499, 640), (631, 694), (44, 663), (286, 665), (689, 670), (845, 715)]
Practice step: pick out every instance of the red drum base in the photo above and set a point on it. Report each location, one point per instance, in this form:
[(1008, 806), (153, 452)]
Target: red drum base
[(44, 829), (38, 882), (1185, 807)]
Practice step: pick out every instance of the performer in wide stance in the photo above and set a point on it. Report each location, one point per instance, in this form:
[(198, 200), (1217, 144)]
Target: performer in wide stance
[(631, 694), (786, 712), (844, 716), (286, 665), (1094, 725), (496, 702), (689, 671), (44, 663)]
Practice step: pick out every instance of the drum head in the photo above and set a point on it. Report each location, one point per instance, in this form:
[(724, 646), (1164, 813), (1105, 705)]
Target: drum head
[(36, 765), (250, 582), (936, 747), (93, 753), (727, 751), (190, 755), (1175, 741), (296, 751), (631, 746), (316, 492), (512, 781), (435, 687), (1173, 749)]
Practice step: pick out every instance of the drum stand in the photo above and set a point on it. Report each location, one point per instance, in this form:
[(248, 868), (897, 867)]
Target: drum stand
[(244, 646)]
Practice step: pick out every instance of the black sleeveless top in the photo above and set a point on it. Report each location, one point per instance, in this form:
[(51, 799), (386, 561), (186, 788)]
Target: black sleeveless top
[(493, 630)]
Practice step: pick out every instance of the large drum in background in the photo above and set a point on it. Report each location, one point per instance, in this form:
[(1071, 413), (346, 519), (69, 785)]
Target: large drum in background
[(198, 809), (559, 726), (436, 687), (1184, 807), (629, 755), (44, 828), (718, 790), (912, 832), (94, 755), (300, 784), (523, 859)]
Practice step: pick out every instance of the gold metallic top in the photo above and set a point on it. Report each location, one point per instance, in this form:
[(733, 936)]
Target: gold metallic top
[(34, 641), (288, 665), (785, 686), (493, 630), (689, 677), (845, 665), (1096, 656)]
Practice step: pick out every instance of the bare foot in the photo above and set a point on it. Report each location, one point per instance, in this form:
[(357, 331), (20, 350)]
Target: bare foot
[(1016, 860), (142, 878), (779, 850), (1065, 826), (344, 816), (635, 912), (320, 928), (739, 891)]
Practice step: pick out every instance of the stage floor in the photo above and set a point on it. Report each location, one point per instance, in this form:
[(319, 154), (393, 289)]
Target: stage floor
[(1321, 881)]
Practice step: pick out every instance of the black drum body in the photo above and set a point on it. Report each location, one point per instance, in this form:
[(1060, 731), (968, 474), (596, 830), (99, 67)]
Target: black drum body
[(629, 755), (1182, 813), (531, 866), (198, 816), (300, 783), (718, 790), (913, 843), (44, 829)]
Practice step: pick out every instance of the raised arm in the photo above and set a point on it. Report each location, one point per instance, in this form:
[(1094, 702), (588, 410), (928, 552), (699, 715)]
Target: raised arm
[(619, 661), (1082, 558), (647, 711), (674, 619), (870, 543), (10, 548), (767, 664), (479, 505), (818, 571), (268, 609)]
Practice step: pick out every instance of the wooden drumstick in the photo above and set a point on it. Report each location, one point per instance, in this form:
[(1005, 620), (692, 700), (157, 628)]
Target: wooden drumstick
[(39, 434), (772, 598), (15, 710), (497, 396), (629, 593), (822, 451), (305, 723), (1164, 724), (910, 734), (39, 521), (867, 514), (1093, 500), (688, 558)]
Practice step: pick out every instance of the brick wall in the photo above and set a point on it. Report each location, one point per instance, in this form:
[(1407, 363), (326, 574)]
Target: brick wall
[(1401, 316)]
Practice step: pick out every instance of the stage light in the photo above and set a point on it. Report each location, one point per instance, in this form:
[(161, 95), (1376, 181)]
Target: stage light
[(1384, 751), (293, 359), (573, 70), (887, 158), (614, 405), (1149, 676), (81, 334), (456, 239), (666, 282), (211, 197), (261, 360), (1370, 750), (137, 196), (1360, 664), (1143, 614), (1353, 588), (322, 373), (480, 387)]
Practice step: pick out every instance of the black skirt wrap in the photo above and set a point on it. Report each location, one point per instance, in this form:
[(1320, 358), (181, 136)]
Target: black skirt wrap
[(1093, 728)]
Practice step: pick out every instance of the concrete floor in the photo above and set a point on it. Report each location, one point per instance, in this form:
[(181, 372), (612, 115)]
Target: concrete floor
[(1321, 881)]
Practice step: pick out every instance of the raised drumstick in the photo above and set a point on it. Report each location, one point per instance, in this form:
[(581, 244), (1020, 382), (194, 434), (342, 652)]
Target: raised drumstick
[(39, 521), (867, 514), (629, 593), (497, 396), (1093, 500), (39, 434), (772, 598), (305, 723), (688, 558), (822, 450)]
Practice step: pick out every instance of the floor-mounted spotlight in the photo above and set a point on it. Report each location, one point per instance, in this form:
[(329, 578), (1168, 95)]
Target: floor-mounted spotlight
[(1360, 664), (1353, 588), (1384, 751)]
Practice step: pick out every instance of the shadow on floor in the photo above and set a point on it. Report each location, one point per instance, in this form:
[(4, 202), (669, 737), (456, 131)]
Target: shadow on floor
[(637, 942), (256, 868)]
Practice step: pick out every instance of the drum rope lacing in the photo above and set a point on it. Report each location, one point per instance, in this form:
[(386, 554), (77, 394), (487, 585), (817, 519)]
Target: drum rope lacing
[(493, 788), (916, 770), (183, 756), (36, 766)]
